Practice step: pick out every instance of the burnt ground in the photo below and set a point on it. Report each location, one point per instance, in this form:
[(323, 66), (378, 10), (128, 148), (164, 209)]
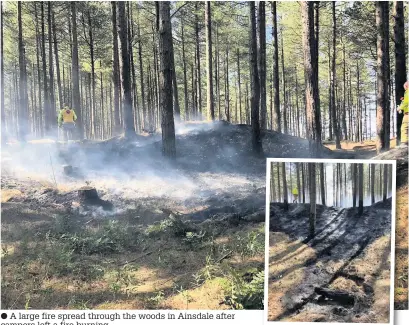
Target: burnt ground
[(349, 253), (215, 187)]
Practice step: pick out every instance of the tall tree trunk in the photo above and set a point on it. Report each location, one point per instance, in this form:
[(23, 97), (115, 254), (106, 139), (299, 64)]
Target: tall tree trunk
[(75, 72), (385, 183), (23, 104), (210, 99), (227, 87), (102, 122), (333, 80), (165, 48), (57, 63), (297, 166), (313, 111), (199, 73), (313, 196), (382, 142), (131, 59), (322, 183), (128, 118), (262, 62), (344, 122), (273, 185), (52, 112), (45, 80), (115, 68), (355, 184), (255, 85), (275, 66), (186, 101), (285, 188), (141, 76), (372, 183), (239, 83), (92, 59), (176, 106), (361, 189), (284, 89), (217, 74), (400, 59), (40, 101)]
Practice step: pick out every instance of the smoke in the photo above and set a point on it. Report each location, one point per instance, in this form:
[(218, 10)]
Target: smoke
[(135, 172)]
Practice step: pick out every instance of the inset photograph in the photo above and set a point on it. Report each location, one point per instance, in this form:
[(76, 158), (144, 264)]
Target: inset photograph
[(331, 234)]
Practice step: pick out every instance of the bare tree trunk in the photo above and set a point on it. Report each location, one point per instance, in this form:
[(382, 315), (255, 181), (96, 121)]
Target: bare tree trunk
[(385, 183), (312, 190), (344, 122), (52, 112), (313, 112), (372, 183), (165, 49), (255, 85), (333, 80), (361, 189), (45, 80), (75, 73), (116, 74), (284, 89), (210, 99), (57, 63), (262, 62), (199, 73), (176, 106), (239, 82), (92, 58), (382, 67), (322, 183), (23, 104), (355, 185), (128, 118), (184, 71), (272, 185), (142, 81), (217, 74), (40, 101), (298, 177), (275, 66), (285, 189)]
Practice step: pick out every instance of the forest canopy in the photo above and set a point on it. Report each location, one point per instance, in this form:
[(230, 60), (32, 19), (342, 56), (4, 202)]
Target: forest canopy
[(42, 40)]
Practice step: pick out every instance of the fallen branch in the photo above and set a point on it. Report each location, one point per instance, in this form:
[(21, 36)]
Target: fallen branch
[(136, 258), (224, 256)]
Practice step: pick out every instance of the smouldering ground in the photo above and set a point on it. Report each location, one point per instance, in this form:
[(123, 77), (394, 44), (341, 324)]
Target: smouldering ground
[(182, 235), (366, 150), (350, 253), (52, 259)]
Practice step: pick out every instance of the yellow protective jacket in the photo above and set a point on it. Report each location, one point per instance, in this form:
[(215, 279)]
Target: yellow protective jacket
[(66, 115), (295, 191), (404, 105)]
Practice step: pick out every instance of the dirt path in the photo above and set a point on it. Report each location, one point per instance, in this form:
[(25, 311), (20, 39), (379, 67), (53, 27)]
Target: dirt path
[(334, 259)]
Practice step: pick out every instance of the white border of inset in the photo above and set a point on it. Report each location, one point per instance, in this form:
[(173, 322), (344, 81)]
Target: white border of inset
[(267, 230)]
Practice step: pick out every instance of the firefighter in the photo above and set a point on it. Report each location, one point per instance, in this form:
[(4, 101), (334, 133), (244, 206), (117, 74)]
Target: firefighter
[(403, 109), (66, 121), (295, 194)]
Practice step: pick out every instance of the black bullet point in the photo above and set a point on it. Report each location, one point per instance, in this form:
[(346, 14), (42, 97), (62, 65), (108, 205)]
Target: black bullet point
[(4, 315)]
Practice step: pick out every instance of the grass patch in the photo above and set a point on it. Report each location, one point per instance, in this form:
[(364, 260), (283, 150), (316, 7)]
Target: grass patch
[(68, 263)]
